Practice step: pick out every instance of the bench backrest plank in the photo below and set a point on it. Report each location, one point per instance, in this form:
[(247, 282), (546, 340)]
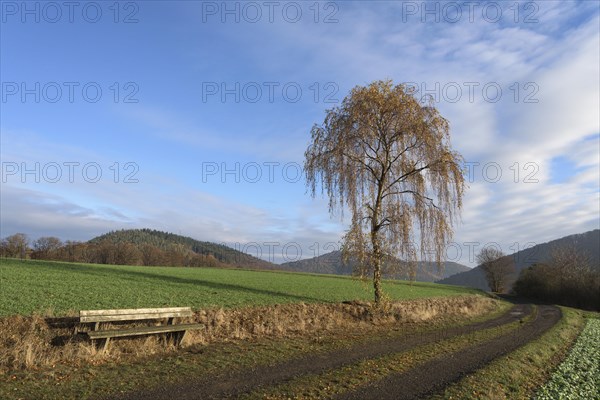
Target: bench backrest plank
[(133, 314)]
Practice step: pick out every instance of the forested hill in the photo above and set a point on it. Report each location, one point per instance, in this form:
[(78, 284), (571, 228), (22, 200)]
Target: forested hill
[(331, 263), (588, 243), (167, 241)]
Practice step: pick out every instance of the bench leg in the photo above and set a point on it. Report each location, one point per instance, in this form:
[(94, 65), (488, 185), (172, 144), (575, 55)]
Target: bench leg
[(102, 344), (181, 338), (176, 337)]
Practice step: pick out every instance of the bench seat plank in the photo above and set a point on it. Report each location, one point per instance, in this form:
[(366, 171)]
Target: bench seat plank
[(147, 330), (133, 314)]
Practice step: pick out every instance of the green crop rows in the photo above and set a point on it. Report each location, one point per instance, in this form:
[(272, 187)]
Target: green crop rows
[(578, 377)]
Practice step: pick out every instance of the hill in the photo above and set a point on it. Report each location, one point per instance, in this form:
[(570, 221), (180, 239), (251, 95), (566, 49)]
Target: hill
[(166, 241), (331, 263), (588, 242)]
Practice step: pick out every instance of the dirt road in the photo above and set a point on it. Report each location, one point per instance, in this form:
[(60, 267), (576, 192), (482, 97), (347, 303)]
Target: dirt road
[(436, 374), (416, 383)]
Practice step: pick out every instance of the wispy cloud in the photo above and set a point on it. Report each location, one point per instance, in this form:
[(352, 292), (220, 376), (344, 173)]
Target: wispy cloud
[(553, 63)]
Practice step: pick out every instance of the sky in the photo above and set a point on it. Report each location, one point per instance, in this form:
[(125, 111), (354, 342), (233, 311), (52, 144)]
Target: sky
[(193, 117)]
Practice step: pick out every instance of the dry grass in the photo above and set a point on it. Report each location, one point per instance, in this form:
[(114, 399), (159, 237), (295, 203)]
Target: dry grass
[(38, 342)]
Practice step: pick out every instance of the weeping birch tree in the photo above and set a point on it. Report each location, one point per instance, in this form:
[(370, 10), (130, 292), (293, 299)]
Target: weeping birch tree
[(385, 156)]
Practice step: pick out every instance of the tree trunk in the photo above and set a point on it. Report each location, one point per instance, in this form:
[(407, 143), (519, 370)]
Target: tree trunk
[(375, 243), (376, 267), (377, 280)]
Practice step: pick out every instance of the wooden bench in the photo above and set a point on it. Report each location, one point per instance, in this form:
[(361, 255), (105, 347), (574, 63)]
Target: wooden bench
[(97, 317)]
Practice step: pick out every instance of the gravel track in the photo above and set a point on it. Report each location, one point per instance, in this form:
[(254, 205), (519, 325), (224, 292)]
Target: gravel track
[(436, 374), (421, 380)]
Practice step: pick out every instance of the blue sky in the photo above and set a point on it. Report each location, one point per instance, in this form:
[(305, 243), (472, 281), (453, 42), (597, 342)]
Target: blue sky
[(191, 90)]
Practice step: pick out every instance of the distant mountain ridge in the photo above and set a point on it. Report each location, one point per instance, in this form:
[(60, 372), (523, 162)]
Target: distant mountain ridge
[(331, 263), (165, 240), (587, 241)]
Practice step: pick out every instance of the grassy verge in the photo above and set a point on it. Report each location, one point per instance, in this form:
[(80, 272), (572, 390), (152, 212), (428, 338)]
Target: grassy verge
[(33, 286), (332, 383), (80, 381), (518, 374)]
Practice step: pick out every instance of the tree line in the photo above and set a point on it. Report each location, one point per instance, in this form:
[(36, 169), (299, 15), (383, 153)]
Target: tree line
[(105, 251), (566, 278)]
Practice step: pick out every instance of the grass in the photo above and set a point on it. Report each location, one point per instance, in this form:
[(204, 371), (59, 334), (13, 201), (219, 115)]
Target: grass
[(519, 374), (350, 377), (30, 287), (61, 288), (84, 380), (34, 342)]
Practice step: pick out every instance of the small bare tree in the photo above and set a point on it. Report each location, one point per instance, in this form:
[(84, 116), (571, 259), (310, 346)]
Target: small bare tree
[(573, 267), (570, 261), (16, 245), (45, 246), (497, 267), (386, 156)]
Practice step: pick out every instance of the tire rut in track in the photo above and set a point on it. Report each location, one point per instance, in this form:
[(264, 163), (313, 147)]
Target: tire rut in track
[(235, 383), (433, 376)]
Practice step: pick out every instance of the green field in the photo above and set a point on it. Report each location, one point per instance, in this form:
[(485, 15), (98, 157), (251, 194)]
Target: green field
[(60, 288), (578, 377)]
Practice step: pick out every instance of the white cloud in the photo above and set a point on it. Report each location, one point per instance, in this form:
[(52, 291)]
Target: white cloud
[(558, 55)]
